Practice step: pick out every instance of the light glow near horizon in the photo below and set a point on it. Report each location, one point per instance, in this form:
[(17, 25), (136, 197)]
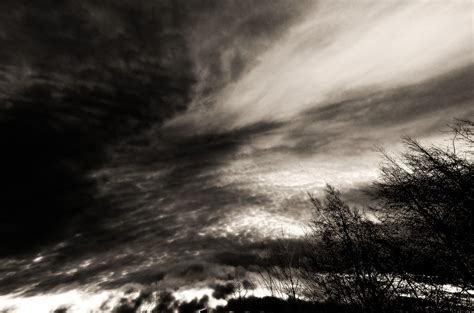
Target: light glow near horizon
[(78, 301)]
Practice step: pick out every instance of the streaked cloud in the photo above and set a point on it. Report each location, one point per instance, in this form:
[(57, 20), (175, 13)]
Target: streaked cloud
[(341, 47), (187, 143)]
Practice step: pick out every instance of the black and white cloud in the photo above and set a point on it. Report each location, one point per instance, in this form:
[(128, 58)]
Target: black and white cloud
[(169, 141)]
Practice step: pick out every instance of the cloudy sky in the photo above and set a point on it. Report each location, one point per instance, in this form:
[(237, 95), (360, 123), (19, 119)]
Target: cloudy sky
[(167, 141)]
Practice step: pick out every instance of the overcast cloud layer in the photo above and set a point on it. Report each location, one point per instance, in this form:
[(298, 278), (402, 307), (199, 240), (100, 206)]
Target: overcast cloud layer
[(158, 141)]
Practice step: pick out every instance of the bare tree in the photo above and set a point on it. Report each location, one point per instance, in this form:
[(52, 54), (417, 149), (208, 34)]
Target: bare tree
[(280, 272), (463, 130), (241, 284), (432, 190), (358, 274), (418, 256), (426, 200)]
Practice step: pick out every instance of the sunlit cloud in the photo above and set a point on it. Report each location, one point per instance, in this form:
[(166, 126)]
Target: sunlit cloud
[(257, 224), (75, 301), (189, 294), (340, 47)]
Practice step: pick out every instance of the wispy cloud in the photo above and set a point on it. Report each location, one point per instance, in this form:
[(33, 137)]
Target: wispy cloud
[(340, 47)]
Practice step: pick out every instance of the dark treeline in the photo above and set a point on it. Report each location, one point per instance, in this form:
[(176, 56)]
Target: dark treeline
[(413, 252)]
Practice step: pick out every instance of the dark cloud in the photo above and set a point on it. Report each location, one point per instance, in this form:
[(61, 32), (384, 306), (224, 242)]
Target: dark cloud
[(161, 214), (194, 305), (78, 78), (360, 196), (221, 291), (72, 84), (236, 33), (84, 88), (369, 118), (166, 302), (382, 108)]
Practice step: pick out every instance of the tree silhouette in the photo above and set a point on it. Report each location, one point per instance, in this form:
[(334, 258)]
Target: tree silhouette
[(418, 256), (432, 190)]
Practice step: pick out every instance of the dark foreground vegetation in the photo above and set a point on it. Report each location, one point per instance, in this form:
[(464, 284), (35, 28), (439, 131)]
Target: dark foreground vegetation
[(410, 251)]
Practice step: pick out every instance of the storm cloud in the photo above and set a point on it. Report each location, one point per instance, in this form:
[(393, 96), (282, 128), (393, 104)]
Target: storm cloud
[(77, 79), (169, 142)]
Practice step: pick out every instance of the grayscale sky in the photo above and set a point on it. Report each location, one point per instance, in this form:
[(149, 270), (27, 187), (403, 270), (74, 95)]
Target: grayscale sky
[(168, 141)]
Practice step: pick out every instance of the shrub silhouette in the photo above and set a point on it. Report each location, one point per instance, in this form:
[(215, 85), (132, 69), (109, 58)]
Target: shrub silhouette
[(418, 256)]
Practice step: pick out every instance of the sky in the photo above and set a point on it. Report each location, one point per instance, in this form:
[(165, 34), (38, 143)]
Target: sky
[(168, 142)]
